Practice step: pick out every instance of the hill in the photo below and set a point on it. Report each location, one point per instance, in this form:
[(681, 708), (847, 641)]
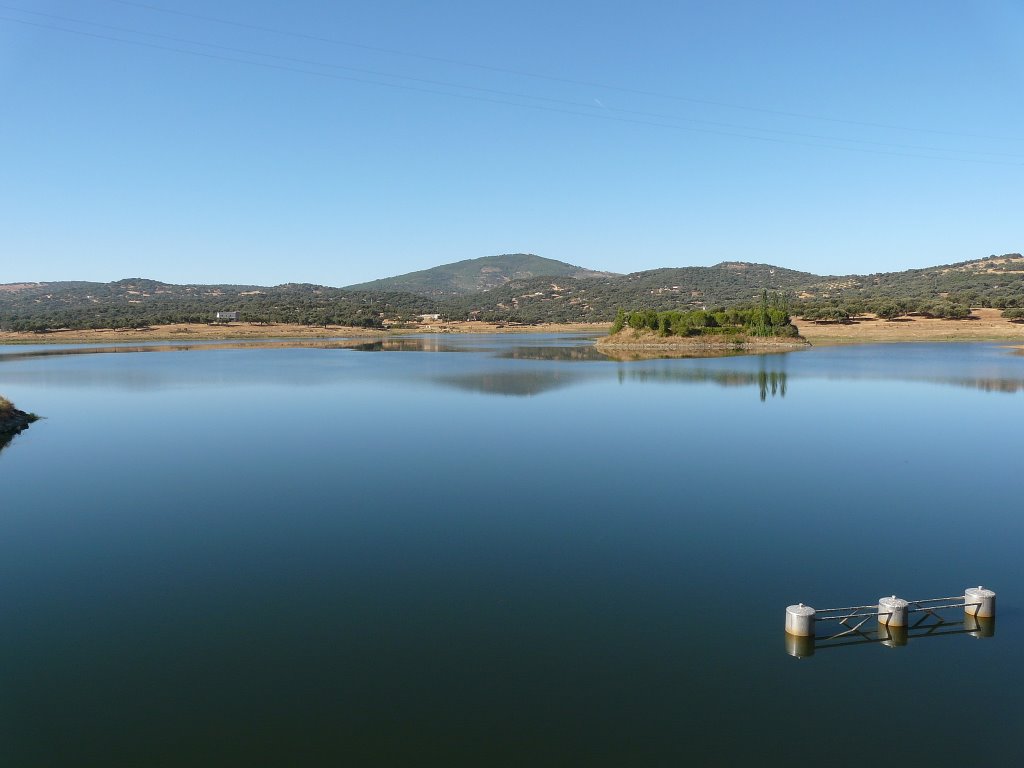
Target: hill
[(474, 275), (138, 302), (996, 281), (597, 298), (507, 288)]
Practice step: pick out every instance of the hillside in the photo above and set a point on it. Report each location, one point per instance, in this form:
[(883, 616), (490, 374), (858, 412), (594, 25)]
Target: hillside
[(996, 281), (507, 289), (138, 302), (474, 275)]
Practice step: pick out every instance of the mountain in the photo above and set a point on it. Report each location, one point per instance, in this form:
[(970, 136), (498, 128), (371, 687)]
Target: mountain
[(473, 275), (993, 281), (504, 288)]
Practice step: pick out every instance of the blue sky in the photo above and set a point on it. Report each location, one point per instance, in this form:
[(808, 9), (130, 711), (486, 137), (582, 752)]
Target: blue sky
[(336, 142)]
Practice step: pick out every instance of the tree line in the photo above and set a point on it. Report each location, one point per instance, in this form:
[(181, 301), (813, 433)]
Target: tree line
[(769, 317)]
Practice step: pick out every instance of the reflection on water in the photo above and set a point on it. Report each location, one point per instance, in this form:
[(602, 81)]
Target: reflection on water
[(11, 427), (628, 356), (535, 382), (773, 382), (890, 637), (528, 365), (66, 351), (510, 383), (580, 353), (561, 349), (985, 367), (986, 385), (113, 349), (433, 343), (497, 557), (6, 438)]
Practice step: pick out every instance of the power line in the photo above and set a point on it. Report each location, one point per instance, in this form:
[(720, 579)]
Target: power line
[(552, 78), (513, 94), (469, 97)]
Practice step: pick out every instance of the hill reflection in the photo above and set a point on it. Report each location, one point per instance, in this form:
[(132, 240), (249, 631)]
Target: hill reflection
[(529, 383), (561, 354), (514, 365), (774, 383), (511, 383)]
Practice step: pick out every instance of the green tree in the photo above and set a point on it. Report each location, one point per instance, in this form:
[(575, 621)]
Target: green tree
[(620, 321)]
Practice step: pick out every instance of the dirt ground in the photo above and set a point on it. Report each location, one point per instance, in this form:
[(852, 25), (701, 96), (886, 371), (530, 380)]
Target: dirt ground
[(984, 325), (244, 331)]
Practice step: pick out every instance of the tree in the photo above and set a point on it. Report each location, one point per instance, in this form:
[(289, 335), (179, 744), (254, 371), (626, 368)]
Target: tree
[(620, 321), (888, 311)]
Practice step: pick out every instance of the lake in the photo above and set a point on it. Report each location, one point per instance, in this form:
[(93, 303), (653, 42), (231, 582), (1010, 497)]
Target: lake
[(505, 550)]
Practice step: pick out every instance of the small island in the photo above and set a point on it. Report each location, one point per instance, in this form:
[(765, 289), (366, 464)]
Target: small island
[(766, 327), (12, 421)]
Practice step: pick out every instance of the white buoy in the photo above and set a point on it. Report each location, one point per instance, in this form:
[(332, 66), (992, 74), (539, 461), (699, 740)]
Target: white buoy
[(892, 611), (987, 600), (800, 620)]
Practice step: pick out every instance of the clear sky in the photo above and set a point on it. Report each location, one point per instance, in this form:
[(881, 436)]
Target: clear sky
[(251, 141)]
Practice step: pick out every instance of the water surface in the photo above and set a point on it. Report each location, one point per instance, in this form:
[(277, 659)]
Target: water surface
[(502, 550)]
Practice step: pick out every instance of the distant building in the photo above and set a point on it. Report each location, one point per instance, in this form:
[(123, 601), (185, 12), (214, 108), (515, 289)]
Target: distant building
[(226, 317), (428, 318)]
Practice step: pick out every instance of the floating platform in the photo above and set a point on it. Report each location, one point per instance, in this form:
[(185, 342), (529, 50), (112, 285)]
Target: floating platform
[(896, 621)]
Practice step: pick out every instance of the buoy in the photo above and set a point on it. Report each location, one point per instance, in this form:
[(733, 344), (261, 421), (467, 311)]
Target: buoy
[(987, 598), (892, 611), (800, 620)]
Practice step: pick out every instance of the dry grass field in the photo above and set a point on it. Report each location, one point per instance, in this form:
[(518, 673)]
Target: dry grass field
[(245, 332), (192, 332), (984, 325)]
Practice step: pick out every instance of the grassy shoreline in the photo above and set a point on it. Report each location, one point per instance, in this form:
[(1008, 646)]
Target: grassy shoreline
[(628, 345), (984, 325), (243, 332)]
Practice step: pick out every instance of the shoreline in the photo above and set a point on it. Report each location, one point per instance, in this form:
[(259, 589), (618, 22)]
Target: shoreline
[(244, 332), (984, 325), (634, 345), (12, 421)]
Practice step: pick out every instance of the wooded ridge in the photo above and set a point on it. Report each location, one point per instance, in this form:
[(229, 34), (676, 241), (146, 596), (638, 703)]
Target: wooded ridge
[(508, 288)]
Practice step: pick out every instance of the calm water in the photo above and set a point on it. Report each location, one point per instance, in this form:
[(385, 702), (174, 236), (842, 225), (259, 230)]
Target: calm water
[(504, 551)]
